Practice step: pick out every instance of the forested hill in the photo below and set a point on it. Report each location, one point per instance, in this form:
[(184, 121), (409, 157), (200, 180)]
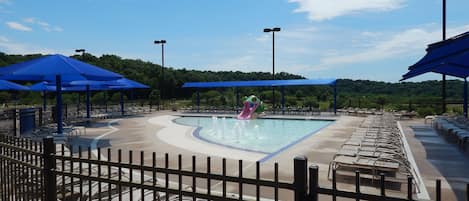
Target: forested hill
[(150, 74)]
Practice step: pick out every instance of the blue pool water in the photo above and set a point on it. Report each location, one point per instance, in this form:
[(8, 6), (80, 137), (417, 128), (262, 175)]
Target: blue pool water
[(260, 135)]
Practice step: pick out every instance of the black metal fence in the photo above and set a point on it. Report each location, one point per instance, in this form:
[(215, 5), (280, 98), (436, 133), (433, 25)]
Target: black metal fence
[(37, 171)]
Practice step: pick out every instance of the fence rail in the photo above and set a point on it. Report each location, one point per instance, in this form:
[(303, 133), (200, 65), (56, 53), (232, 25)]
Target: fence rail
[(37, 171)]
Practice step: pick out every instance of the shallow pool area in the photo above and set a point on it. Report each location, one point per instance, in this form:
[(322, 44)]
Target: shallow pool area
[(258, 135)]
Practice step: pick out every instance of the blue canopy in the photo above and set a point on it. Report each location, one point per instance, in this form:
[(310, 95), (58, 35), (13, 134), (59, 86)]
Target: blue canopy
[(449, 57), (122, 83), (46, 86), (125, 83), (7, 86), (48, 67), (259, 83), (264, 83), (59, 69)]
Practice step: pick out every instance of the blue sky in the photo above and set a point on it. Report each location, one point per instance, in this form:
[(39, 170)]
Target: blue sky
[(357, 39)]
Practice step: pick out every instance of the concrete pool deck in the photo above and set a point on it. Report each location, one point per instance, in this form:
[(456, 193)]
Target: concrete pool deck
[(156, 133), (437, 159), (144, 133)]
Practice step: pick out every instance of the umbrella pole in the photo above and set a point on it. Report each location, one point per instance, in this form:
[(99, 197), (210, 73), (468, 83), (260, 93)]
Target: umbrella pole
[(44, 101), (88, 102), (122, 102), (58, 80), (78, 104), (465, 98), (105, 101)]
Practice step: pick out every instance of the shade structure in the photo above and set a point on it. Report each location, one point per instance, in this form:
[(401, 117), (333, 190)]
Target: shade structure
[(448, 57), (122, 83), (46, 68), (259, 83), (92, 85), (265, 83), (46, 86), (56, 68), (11, 86), (125, 83)]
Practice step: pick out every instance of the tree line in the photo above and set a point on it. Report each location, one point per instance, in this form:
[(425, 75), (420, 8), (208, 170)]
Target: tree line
[(423, 96)]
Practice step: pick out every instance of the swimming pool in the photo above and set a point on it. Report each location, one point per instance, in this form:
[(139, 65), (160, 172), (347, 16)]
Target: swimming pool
[(259, 135)]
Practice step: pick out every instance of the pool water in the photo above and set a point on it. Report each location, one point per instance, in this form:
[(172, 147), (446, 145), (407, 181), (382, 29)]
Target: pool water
[(259, 135)]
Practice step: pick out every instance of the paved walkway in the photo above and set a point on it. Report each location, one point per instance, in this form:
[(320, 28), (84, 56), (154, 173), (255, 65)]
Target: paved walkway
[(438, 159), (435, 158), (143, 133)]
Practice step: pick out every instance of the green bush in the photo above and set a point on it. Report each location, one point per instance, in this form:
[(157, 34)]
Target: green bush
[(425, 111)]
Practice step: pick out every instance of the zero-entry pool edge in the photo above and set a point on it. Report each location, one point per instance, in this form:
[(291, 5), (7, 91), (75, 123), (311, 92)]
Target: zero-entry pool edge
[(269, 155)]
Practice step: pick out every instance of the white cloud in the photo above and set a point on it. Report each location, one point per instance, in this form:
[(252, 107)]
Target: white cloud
[(245, 63), (44, 25), (12, 47), (319, 10), (402, 44), (18, 26), (4, 39), (29, 20)]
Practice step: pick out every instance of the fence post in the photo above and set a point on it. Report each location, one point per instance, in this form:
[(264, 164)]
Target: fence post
[(40, 117), (313, 182), (50, 183), (409, 187), (467, 192), (300, 174), (13, 111)]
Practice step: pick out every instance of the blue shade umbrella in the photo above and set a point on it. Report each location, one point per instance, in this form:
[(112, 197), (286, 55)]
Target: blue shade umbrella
[(125, 83), (120, 84), (48, 67), (10, 86), (56, 68), (47, 87), (447, 57)]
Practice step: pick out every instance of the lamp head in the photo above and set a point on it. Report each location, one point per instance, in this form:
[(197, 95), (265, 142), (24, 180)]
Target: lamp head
[(80, 50), (276, 29), (267, 30), (160, 41)]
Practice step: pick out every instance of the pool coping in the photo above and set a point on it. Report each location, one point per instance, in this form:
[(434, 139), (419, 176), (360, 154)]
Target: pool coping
[(269, 155), (181, 136)]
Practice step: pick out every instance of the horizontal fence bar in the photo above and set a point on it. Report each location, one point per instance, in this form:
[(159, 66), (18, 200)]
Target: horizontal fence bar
[(141, 186), (266, 183), (26, 157), (20, 149), (363, 196), (16, 161)]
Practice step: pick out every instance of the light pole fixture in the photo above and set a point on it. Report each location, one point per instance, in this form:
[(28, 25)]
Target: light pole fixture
[(82, 53), (83, 59), (162, 42), (273, 30), (80, 50)]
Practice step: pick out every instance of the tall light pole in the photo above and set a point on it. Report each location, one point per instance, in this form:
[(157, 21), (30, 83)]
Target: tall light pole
[(82, 52), (162, 42), (443, 89), (273, 30), (82, 58)]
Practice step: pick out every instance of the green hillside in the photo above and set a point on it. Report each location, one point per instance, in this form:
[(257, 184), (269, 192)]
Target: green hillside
[(424, 96)]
